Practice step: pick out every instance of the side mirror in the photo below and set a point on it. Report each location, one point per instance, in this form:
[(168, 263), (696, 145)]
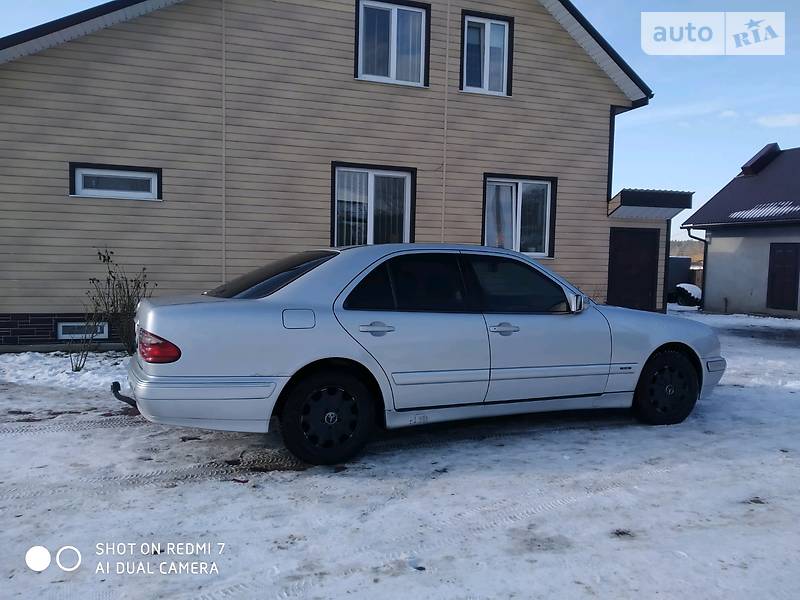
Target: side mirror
[(577, 302)]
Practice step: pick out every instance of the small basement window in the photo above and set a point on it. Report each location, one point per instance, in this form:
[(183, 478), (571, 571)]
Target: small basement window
[(109, 181), (81, 329)]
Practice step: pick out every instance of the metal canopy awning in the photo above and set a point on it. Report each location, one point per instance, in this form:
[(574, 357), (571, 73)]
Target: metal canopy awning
[(648, 204)]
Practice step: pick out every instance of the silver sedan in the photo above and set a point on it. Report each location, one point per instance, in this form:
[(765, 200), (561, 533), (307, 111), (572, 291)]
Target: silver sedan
[(335, 343)]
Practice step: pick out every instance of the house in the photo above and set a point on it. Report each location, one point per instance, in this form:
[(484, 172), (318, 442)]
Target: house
[(203, 138), (752, 237)]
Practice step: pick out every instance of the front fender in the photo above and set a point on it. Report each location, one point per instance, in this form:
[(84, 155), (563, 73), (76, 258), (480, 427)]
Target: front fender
[(636, 334)]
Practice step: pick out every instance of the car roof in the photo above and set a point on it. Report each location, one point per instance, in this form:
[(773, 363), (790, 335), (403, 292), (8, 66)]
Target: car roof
[(328, 279), (379, 250)]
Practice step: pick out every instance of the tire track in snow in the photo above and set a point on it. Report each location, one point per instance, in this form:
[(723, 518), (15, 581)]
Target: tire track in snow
[(76, 425), (277, 461), (421, 440), (517, 511)]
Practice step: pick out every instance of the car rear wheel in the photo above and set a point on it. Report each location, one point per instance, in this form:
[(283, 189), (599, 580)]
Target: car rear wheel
[(668, 389), (327, 418)]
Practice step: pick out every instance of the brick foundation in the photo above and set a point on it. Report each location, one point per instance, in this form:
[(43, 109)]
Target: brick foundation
[(19, 329)]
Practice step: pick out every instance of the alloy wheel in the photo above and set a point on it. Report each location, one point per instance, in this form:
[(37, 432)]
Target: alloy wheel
[(329, 417), (668, 389)]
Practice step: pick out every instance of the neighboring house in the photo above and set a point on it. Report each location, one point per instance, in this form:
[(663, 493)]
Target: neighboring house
[(203, 138), (752, 261)]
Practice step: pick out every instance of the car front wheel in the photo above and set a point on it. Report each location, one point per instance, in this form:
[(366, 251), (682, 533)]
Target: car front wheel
[(668, 389), (327, 418)]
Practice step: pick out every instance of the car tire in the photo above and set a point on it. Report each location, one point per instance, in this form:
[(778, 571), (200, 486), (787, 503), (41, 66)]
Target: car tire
[(668, 389), (328, 417)]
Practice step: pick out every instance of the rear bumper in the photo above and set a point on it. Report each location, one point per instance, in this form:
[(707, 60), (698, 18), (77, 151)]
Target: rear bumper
[(714, 367), (222, 403)]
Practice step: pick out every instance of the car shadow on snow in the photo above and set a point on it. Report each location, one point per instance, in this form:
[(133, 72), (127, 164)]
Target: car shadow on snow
[(440, 437), (774, 335), (237, 456)]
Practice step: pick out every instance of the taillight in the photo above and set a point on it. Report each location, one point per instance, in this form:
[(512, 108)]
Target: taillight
[(154, 349)]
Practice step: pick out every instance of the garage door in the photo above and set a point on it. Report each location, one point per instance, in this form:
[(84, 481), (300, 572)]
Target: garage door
[(782, 281), (633, 268)]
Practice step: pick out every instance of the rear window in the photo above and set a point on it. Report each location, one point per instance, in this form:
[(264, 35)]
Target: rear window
[(268, 279)]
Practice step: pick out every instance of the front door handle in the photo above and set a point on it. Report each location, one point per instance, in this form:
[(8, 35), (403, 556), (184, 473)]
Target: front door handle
[(376, 328), (504, 328)]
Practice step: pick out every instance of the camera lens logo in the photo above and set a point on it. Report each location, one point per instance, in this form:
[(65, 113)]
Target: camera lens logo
[(37, 558), (68, 558)]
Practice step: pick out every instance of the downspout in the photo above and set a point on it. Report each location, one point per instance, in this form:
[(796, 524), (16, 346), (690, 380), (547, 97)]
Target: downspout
[(444, 128), (224, 153), (705, 265), (665, 283)]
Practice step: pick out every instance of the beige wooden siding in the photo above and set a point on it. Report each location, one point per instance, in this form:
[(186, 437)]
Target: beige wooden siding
[(150, 93), (143, 93)]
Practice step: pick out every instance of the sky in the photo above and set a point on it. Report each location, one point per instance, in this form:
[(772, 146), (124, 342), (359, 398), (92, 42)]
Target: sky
[(709, 114)]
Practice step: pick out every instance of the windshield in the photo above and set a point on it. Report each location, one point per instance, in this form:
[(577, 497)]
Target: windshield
[(268, 279)]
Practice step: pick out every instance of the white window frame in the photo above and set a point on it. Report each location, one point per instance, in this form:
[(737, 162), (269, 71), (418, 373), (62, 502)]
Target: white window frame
[(392, 78), (371, 201), (517, 213), (101, 335), (82, 192), (487, 23)]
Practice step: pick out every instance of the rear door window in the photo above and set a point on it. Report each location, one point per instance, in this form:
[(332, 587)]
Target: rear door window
[(427, 282), (374, 292)]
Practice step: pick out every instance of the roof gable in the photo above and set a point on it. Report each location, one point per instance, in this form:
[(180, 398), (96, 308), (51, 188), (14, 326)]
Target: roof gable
[(766, 191), (600, 51), (76, 25)]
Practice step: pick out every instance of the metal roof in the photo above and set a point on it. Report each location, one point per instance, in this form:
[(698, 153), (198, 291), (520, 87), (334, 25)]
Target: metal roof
[(637, 204), (767, 191), (87, 21)]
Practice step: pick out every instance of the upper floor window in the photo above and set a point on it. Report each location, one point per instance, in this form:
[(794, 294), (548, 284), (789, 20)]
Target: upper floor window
[(372, 205), (393, 42), (519, 214), (487, 52), (110, 181)]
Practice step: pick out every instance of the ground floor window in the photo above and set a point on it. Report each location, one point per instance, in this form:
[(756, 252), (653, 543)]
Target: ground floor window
[(114, 181), (519, 213), (372, 204)]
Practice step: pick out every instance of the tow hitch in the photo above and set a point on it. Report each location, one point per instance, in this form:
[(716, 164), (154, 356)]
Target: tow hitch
[(115, 389)]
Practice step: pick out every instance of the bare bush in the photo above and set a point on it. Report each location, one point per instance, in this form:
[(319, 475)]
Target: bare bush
[(79, 348), (116, 296)]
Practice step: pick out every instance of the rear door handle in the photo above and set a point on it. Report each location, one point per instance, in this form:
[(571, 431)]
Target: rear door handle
[(504, 328), (376, 328)]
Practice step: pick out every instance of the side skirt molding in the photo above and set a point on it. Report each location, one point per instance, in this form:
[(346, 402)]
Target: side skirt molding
[(421, 416)]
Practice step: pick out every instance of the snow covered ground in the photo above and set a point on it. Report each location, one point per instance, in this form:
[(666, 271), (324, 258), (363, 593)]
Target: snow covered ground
[(554, 506), (54, 369)]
